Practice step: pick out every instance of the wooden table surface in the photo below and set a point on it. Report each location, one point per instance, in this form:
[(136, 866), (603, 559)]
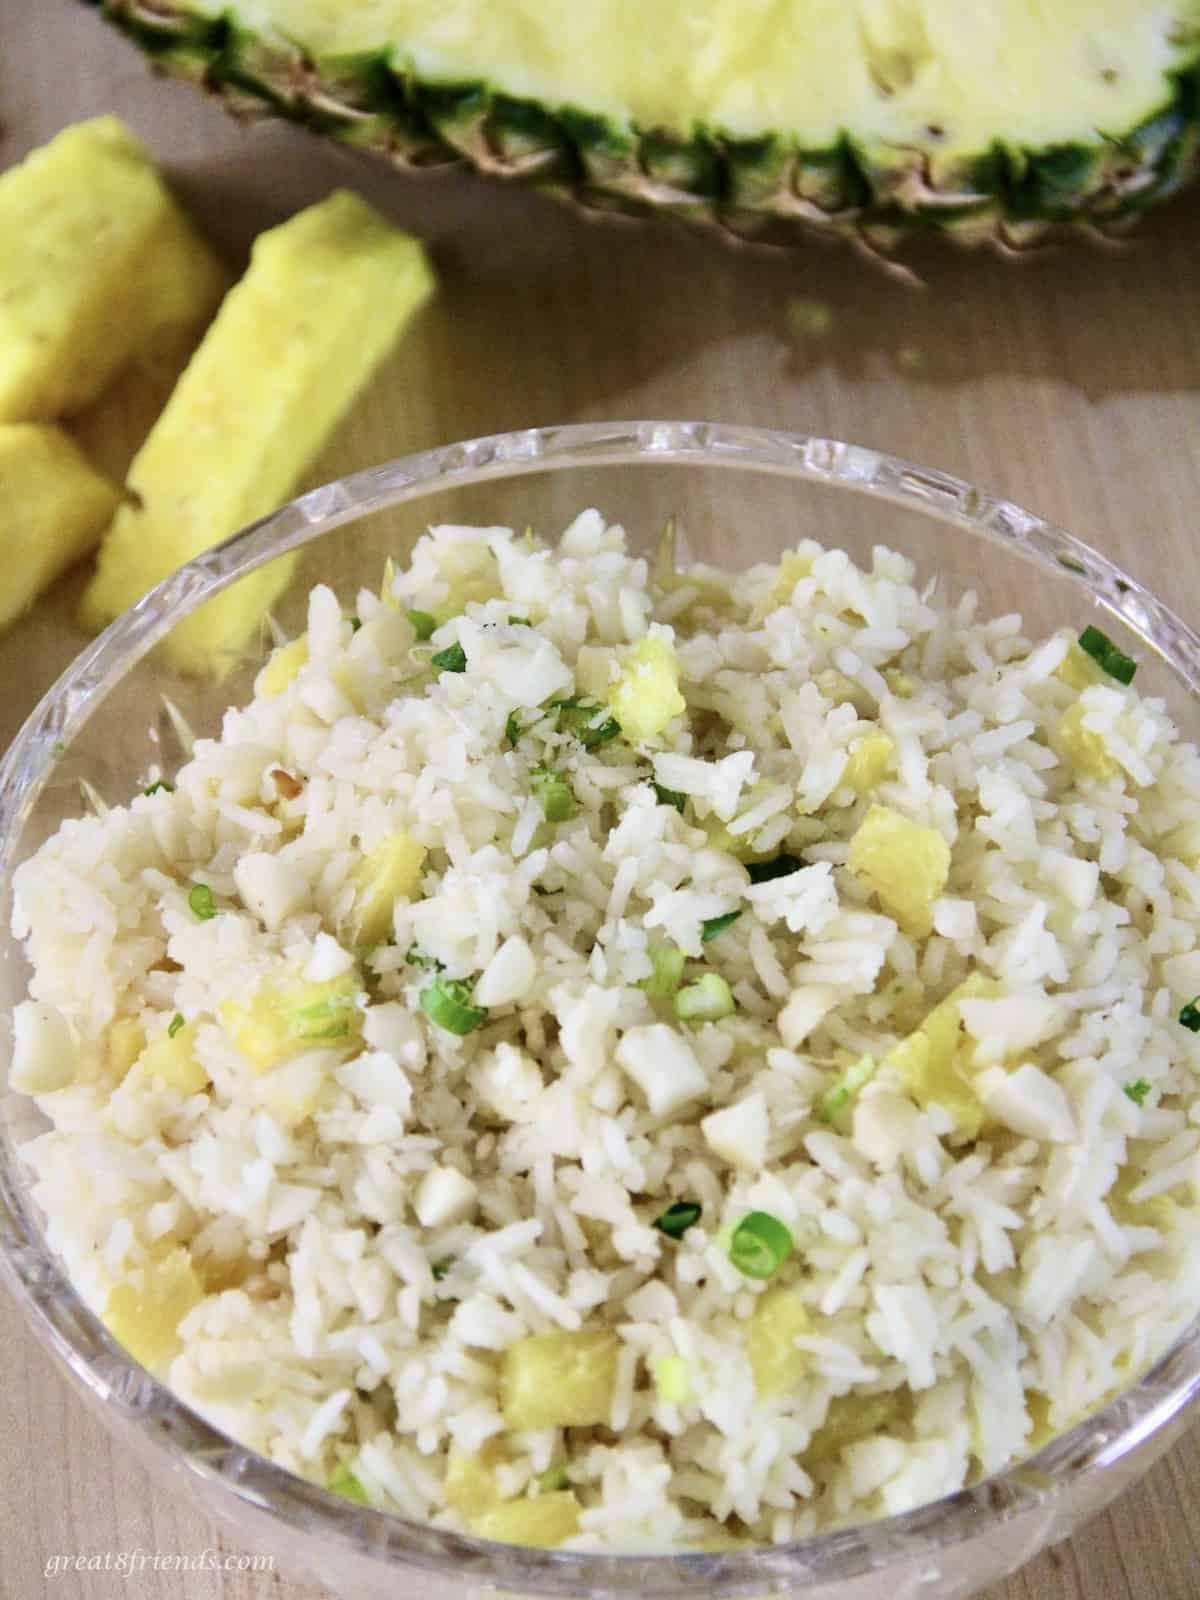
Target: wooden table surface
[(1067, 381)]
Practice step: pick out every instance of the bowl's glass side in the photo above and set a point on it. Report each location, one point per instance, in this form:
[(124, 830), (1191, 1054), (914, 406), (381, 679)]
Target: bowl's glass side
[(106, 724)]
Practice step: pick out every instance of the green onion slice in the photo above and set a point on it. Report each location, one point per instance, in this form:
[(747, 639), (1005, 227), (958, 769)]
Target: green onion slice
[(759, 1245), (441, 1268), (355, 624), (669, 797), (452, 659), (554, 1478), (1138, 1090), (175, 1024), (1190, 1015), (519, 622), (416, 957), (678, 1218), (707, 1000), (423, 624), (201, 902), (587, 720), (712, 926), (847, 1086), (667, 961), (553, 790), (347, 1485), (447, 1001), (513, 729), (161, 787), (1106, 655), (780, 866)]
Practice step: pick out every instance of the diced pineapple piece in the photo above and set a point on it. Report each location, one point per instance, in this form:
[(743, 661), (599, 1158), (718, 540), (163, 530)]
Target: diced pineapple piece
[(182, 283), (144, 1311), (292, 1092), (672, 1382), (470, 1484), (390, 872), (283, 666), (126, 1041), (1081, 747), (56, 506), (646, 695), (544, 1522), (284, 1021), (904, 863), (869, 762), (1159, 1211), (172, 1057), (792, 567), (289, 350), (79, 217), (559, 1380), (775, 1360), (936, 1062), (852, 1417), (1077, 668), (900, 684), (1183, 842)]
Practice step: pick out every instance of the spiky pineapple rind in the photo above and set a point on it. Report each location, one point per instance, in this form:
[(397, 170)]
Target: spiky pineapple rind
[(764, 189)]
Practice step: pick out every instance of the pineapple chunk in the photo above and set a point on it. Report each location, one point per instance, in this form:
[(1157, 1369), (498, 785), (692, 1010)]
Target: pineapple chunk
[(900, 684), (869, 762), (182, 283), (281, 1022), (936, 1062), (545, 1522), (1082, 748), (79, 217), (56, 506), (777, 1364), (1077, 668), (282, 668), (792, 567), (559, 1380), (325, 296), (292, 1092), (388, 873), (470, 1484), (852, 1417), (173, 1059), (646, 695), (904, 863), (144, 1311), (126, 1041), (1183, 842)]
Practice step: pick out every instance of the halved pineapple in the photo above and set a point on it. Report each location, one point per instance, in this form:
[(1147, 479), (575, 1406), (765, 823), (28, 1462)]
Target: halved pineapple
[(325, 296)]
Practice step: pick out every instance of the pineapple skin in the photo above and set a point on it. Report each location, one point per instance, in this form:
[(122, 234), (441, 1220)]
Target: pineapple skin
[(764, 189), (287, 353)]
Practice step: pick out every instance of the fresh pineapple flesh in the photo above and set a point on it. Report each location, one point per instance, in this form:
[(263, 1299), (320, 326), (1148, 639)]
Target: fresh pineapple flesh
[(325, 296), (79, 218), (56, 506), (984, 120)]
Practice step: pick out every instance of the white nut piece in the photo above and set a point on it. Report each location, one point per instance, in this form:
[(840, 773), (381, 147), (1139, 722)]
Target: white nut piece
[(739, 1133), (663, 1066), (44, 1052), (1028, 1101), (270, 888), (392, 1028), (508, 976), (808, 1007), (444, 1196), (883, 1127)]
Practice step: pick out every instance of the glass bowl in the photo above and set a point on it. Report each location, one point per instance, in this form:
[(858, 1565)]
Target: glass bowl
[(738, 495)]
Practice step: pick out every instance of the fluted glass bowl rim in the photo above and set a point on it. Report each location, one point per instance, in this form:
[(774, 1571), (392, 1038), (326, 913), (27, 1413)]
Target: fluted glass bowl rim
[(65, 1325)]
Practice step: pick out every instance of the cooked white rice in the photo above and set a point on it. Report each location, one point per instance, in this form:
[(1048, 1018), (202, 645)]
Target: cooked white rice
[(965, 1295)]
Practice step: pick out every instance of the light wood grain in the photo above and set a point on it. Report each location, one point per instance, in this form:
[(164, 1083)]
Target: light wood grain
[(1068, 382)]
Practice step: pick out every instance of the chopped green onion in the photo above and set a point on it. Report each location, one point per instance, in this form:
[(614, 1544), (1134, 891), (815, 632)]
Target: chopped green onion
[(759, 1245), (162, 786), (848, 1085), (554, 1478), (324, 1020), (423, 624), (707, 1000), (1106, 655), (447, 1001), (669, 797), (441, 1268), (175, 1024), (553, 790), (671, 1379), (712, 926), (678, 1218), (452, 659), (513, 729), (519, 622), (347, 1485), (416, 957), (355, 624), (780, 866), (201, 902), (1138, 1090), (667, 961), (580, 715), (1190, 1015)]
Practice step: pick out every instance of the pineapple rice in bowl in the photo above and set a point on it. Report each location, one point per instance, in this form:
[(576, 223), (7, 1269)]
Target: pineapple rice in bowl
[(609, 1054)]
